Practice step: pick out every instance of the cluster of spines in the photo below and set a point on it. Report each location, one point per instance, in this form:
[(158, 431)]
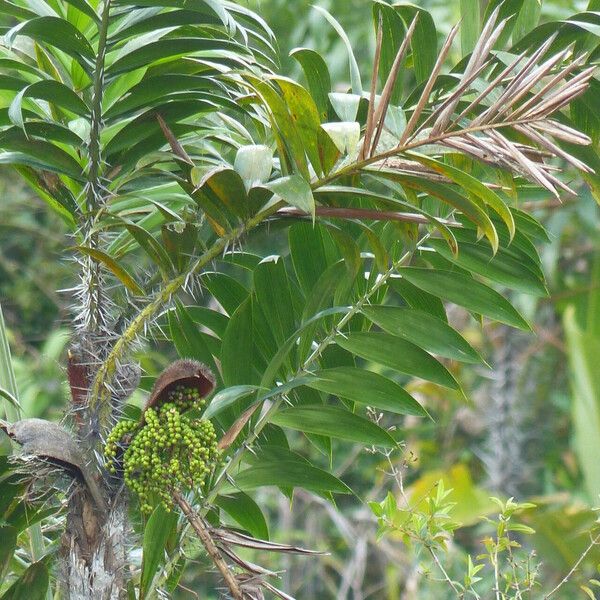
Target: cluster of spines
[(169, 452)]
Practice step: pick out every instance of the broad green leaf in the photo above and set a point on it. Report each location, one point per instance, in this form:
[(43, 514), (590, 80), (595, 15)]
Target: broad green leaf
[(254, 164), (224, 187), (470, 25), (424, 330), (288, 138), (354, 69), (345, 135), (470, 208), (474, 186), (529, 225), (419, 299), (32, 585), (58, 33), (170, 48), (153, 248), (237, 351), (158, 530), (393, 30), (228, 292), (333, 421), (116, 269), (228, 397), (151, 91), (317, 75), (271, 285), (289, 473), (295, 191), (307, 250), (52, 92), (397, 353), (501, 267), (467, 292), (246, 513), (38, 153), (305, 115), (367, 388), (527, 20), (424, 41), (214, 320)]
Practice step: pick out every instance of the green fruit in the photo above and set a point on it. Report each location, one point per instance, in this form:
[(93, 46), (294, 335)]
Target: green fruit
[(170, 452)]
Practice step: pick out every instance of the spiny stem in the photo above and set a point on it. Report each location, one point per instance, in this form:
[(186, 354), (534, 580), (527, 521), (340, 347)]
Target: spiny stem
[(93, 285), (100, 395)]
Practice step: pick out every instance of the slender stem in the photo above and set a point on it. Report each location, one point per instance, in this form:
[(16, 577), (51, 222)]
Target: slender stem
[(595, 540), (199, 527), (439, 565), (496, 572)]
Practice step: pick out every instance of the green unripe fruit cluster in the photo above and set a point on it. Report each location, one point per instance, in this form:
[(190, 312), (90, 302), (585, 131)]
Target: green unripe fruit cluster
[(170, 452), (185, 398)]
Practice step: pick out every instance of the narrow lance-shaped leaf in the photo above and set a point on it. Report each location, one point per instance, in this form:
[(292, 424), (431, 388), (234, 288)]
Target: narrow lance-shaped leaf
[(368, 389), (398, 354), (453, 287), (335, 422)]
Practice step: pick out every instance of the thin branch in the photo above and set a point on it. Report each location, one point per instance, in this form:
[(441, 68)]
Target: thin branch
[(198, 525), (445, 575), (594, 541)]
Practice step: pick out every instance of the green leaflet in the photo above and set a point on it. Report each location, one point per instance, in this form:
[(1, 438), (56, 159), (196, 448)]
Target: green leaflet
[(317, 75), (367, 388), (289, 473), (398, 354), (246, 512), (424, 330), (453, 287), (160, 527)]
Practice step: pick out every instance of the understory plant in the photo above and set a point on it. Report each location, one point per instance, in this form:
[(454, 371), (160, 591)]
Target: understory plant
[(297, 247)]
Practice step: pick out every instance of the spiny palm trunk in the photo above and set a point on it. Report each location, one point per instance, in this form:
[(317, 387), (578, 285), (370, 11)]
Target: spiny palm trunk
[(93, 546), (94, 553)]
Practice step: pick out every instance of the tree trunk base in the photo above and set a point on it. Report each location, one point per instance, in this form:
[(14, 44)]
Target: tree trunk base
[(93, 551)]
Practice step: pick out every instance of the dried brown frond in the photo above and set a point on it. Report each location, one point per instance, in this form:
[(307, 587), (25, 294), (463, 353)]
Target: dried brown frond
[(522, 97), (386, 94), (373, 91)]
